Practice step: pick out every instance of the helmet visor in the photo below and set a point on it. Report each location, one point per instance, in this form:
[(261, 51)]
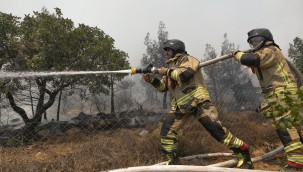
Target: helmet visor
[(255, 41)]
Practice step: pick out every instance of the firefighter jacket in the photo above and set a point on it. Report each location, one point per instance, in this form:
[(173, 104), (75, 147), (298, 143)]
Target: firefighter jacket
[(275, 79), (185, 82), (272, 69)]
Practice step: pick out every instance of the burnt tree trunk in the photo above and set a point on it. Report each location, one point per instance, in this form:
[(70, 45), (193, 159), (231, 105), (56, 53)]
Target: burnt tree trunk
[(59, 105), (112, 102), (31, 97)]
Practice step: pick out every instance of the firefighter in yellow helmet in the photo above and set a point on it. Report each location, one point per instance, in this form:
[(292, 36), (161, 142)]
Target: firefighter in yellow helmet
[(189, 97), (276, 80)]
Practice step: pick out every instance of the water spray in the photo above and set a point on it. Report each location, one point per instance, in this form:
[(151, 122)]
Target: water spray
[(13, 75), (132, 71)]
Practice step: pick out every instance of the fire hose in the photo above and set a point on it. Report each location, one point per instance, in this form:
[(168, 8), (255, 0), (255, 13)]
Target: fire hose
[(148, 69), (151, 69), (232, 162), (212, 167)]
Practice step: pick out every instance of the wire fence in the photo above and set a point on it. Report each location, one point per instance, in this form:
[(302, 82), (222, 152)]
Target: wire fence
[(136, 108)]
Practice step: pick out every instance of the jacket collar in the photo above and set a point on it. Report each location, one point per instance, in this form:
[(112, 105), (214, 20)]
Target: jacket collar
[(174, 58), (269, 43)]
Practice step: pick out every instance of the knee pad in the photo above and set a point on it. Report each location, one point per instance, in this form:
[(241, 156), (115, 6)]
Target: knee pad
[(213, 127), (284, 136), (167, 123)]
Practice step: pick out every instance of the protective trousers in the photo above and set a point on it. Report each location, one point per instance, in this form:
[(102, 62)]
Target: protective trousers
[(208, 116), (291, 138), (293, 147)]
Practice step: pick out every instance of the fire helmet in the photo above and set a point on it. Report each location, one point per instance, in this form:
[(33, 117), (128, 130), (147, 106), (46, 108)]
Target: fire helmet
[(261, 32), (176, 45)]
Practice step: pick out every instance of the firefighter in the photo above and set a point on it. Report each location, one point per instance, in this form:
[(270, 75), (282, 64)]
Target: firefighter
[(276, 80), (184, 81)]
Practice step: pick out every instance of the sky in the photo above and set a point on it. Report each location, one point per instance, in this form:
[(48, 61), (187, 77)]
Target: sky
[(195, 22)]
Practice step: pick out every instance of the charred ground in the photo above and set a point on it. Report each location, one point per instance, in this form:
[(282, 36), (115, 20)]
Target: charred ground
[(91, 149)]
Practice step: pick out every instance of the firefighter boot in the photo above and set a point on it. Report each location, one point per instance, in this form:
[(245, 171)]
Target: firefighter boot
[(243, 155), (172, 158), (291, 166)]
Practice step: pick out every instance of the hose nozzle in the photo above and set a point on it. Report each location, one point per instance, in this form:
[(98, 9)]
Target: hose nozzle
[(133, 71), (147, 69)]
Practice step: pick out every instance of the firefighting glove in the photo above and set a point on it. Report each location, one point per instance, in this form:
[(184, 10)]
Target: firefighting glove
[(164, 71), (236, 54), (148, 77)]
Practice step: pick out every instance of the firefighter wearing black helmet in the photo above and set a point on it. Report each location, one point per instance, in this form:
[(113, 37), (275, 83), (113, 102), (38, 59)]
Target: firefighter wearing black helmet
[(176, 45), (189, 98), (276, 80)]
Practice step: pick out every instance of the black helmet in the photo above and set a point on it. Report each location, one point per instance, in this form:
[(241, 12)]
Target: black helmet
[(262, 32), (176, 45)]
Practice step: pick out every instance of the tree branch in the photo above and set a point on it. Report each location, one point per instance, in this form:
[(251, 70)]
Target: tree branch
[(16, 108)]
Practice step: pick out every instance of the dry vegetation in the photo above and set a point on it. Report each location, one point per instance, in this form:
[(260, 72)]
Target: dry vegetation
[(101, 150)]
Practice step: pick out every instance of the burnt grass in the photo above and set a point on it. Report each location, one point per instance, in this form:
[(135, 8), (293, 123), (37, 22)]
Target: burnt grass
[(99, 150)]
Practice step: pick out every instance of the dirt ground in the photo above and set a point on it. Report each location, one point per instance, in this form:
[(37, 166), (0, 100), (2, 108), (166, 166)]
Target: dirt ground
[(82, 150)]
